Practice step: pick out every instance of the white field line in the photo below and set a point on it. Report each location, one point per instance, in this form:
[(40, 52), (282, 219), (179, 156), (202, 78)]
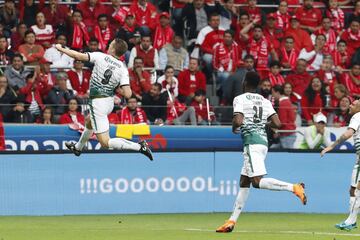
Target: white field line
[(280, 232)]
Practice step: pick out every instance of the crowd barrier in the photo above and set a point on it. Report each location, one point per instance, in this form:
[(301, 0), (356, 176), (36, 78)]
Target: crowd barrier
[(35, 137), (128, 183)]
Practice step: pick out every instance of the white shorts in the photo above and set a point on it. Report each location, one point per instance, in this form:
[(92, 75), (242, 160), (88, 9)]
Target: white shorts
[(254, 160), (355, 176), (100, 108)]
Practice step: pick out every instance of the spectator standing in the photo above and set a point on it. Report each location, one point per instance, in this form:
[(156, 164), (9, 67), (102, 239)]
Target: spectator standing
[(7, 96), (44, 33), (309, 17), (132, 113), (314, 100), (147, 52), (73, 115), (57, 58), (31, 51), (79, 80), (174, 54), (102, 32), (191, 80), (140, 80), (56, 14), (287, 116), (91, 9), (163, 33), (16, 73), (155, 104)]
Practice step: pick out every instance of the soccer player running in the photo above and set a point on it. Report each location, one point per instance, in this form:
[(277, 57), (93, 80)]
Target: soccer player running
[(252, 112), (108, 74), (353, 130)]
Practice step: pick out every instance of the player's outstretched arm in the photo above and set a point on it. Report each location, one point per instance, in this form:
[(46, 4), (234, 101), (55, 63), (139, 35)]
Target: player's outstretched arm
[(72, 53), (345, 136)]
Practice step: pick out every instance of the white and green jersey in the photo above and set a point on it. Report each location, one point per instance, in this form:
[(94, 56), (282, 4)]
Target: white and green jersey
[(256, 110), (107, 75), (355, 125)]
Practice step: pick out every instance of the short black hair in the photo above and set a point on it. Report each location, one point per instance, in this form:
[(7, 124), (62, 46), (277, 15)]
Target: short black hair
[(17, 55), (252, 80), (138, 58), (231, 32), (200, 92), (248, 56), (158, 85), (278, 88), (93, 39), (275, 63), (120, 47), (341, 41), (214, 14), (77, 11), (28, 32), (168, 67), (103, 15)]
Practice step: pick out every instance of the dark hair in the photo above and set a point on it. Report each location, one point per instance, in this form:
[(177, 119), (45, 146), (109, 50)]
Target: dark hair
[(77, 11), (17, 55), (258, 26), (60, 34), (103, 15), (231, 32), (196, 59), (168, 67), (320, 36), (93, 39), (52, 114), (77, 101), (310, 93), (138, 58), (2, 36), (248, 56), (158, 85), (341, 41), (278, 88), (28, 32), (214, 14), (338, 112), (244, 13), (290, 37), (252, 80), (275, 63), (200, 92)]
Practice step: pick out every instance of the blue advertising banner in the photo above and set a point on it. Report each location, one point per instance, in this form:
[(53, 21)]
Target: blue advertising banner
[(53, 137), (58, 184)]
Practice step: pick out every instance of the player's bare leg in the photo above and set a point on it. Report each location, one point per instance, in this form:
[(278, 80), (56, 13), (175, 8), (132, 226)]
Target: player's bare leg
[(239, 204), (277, 185), (350, 222), (85, 136), (123, 144)]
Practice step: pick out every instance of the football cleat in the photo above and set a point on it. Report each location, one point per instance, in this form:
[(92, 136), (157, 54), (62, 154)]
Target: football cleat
[(72, 148), (299, 191), (346, 227), (145, 149), (227, 227)]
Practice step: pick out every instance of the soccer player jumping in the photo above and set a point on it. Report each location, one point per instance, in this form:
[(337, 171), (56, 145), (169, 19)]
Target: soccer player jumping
[(353, 130), (251, 113), (108, 74)]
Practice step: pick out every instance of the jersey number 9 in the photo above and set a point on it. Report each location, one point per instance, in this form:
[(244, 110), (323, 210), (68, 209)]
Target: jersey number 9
[(107, 75)]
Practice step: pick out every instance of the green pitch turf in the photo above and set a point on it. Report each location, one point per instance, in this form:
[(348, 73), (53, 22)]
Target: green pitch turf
[(251, 226)]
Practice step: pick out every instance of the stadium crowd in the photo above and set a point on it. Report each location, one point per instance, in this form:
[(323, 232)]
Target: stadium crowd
[(308, 58)]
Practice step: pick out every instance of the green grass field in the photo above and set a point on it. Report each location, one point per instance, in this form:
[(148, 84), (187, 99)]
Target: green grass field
[(251, 226)]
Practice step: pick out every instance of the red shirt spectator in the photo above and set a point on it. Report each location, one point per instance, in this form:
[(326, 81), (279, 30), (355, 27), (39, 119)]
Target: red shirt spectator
[(103, 32), (201, 108), (302, 38), (31, 91), (91, 9), (44, 78), (79, 33), (300, 79), (72, 116), (252, 10), (163, 31), (226, 56), (351, 80), (174, 110), (282, 17), (145, 13), (313, 100), (336, 16), (352, 37), (341, 56), (208, 37), (31, 52), (288, 54), (132, 114), (140, 80), (117, 14), (309, 17), (274, 75), (341, 116), (191, 79), (55, 14), (79, 79)]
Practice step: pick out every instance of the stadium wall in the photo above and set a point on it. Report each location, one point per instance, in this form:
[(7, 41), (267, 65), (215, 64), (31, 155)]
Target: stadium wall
[(127, 183)]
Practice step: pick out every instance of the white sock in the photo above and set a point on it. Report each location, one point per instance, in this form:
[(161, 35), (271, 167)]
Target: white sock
[(275, 185), (354, 208), (85, 136), (123, 144), (239, 203)]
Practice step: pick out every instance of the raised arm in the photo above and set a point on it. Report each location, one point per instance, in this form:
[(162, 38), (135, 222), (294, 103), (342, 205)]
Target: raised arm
[(346, 135), (72, 53)]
